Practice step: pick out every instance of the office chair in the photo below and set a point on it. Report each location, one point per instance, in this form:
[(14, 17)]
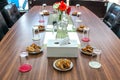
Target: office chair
[(1, 33), (10, 14), (112, 18), (3, 24)]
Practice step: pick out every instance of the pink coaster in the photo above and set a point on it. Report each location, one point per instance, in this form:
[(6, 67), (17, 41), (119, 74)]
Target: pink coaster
[(25, 68), (41, 21), (85, 39)]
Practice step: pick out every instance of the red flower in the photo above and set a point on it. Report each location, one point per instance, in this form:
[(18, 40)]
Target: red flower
[(62, 6), (68, 10)]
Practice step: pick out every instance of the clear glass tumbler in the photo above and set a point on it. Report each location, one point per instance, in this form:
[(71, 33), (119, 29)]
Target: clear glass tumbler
[(78, 17), (24, 65), (41, 17), (77, 6), (85, 38), (86, 32), (23, 58), (95, 61), (44, 6), (35, 32)]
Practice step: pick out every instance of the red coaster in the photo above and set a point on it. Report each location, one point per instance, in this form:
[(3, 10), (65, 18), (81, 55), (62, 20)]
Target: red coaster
[(25, 68), (85, 39)]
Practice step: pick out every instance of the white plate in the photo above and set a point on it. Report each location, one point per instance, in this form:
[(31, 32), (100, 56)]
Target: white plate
[(88, 53), (71, 66), (36, 52)]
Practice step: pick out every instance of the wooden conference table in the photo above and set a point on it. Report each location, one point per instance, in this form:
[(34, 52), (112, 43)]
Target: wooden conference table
[(20, 36)]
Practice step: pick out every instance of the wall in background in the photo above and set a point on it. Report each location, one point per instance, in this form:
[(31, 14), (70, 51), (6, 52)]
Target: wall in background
[(14, 1), (21, 4)]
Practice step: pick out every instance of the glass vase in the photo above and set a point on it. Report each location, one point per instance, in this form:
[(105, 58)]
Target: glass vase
[(61, 30), (62, 26)]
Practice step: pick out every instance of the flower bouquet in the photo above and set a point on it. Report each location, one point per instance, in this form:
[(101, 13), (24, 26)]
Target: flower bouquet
[(62, 23), (61, 7)]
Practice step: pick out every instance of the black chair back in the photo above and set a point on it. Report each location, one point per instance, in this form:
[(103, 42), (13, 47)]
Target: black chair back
[(1, 33), (112, 18), (3, 24), (2, 4), (10, 14), (3, 27)]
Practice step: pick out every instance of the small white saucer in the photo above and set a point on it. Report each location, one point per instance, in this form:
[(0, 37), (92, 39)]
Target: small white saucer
[(94, 64)]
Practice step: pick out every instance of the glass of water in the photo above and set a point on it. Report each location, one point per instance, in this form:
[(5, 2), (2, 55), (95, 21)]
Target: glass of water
[(24, 64), (35, 33), (23, 58), (95, 61), (77, 6), (78, 17), (44, 7)]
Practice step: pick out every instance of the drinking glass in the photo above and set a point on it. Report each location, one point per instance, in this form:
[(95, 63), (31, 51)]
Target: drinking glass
[(44, 7), (78, 13), (23, 58), (77, 6), (37, 42), (41, 17), (86, 31), (24, 65), (78, 17), (85, 38), (35, 32), (95, 62)]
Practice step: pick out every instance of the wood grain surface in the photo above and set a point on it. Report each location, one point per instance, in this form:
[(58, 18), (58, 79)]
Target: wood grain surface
[(20, 36)]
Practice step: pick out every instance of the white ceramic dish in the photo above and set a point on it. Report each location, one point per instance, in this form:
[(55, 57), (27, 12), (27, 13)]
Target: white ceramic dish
[(41, 50), (71, 66), (88, 53)]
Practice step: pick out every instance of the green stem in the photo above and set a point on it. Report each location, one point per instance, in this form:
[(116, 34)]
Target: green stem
[(60, 15)]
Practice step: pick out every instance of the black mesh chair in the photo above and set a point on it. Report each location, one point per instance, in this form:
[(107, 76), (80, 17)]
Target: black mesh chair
[(3, 24), (112, 18), (1, 33), (10, 14), (2, 4), (3, 27)]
